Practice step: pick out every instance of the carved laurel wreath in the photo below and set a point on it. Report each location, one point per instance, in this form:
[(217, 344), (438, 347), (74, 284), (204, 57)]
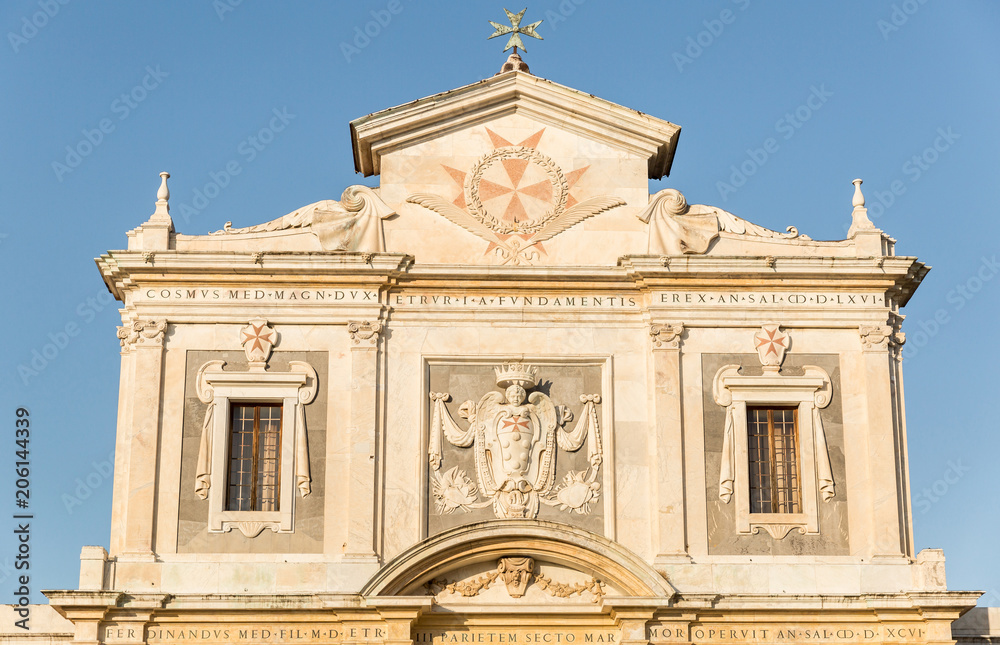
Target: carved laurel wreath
[(476, 208)]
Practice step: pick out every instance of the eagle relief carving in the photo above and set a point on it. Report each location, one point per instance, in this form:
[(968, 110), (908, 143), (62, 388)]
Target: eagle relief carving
[(515, 437), (515, 197)]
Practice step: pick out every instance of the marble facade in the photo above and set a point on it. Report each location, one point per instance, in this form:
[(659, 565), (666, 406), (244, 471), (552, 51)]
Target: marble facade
[(513, 385)]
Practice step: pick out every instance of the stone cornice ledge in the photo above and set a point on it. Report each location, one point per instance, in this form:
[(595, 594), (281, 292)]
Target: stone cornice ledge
[(70, 598), (904, 272), (121, 269), (955, 600), (658, 265)]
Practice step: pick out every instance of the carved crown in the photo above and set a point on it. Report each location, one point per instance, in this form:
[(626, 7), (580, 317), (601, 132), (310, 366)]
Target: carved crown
[(511, 373)]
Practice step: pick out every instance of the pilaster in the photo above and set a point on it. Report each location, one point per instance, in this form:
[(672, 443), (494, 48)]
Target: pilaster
[(361, 431), (885, 460), (120, 491), (671, 538), (146, 340)]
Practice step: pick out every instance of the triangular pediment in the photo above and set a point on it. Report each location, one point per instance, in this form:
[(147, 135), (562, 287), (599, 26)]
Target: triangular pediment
[(538, 99)]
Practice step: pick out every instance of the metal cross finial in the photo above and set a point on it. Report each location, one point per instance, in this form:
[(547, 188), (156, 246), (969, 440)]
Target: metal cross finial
[(515, 30)]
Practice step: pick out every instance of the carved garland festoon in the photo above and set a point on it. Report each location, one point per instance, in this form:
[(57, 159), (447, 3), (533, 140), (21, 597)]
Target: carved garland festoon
[(517, 573), (519, 473)]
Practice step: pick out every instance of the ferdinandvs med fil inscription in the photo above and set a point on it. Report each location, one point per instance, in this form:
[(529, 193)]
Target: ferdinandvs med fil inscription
[(315, 633)]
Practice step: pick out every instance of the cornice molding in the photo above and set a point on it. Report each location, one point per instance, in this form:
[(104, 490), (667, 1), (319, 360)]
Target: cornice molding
[(597, 119)]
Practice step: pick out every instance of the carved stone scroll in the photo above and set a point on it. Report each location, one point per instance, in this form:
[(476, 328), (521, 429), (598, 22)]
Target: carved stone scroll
[(677, 228), (203, 468), (352, 224)]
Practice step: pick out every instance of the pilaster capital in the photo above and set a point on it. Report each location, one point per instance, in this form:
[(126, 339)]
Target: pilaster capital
[(365, 334), (142, 333), (877, 338), (666, 335)]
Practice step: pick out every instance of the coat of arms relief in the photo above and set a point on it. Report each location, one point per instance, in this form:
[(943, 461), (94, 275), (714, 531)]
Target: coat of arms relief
[(518, 440)]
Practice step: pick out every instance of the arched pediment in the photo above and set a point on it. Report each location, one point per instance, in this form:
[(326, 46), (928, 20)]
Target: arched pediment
[(488, 542)]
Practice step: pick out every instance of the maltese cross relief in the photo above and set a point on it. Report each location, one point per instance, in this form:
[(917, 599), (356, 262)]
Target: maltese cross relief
[(515, 197)]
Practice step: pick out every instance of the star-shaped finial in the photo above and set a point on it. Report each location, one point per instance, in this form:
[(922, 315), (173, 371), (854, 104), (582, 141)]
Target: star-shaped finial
[(515, 30)]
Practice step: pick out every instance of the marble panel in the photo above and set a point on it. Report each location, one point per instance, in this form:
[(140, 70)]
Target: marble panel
[(192, 526), (833, 538)]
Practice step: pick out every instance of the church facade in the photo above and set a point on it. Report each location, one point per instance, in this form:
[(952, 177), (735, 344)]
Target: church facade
[(508, 396)]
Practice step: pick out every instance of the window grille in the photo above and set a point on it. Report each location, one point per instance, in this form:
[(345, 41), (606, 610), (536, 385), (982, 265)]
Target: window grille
[(254, 457)]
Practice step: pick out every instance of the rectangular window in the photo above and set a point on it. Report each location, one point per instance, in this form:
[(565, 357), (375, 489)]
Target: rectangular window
[(774, 464), (254, 457)]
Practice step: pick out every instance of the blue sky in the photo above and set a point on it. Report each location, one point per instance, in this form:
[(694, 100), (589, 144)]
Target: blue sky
[(902, 94)]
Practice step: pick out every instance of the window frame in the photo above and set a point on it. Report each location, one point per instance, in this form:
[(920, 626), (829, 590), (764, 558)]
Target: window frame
[(237, 388), (805, 394), (772, 461)]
